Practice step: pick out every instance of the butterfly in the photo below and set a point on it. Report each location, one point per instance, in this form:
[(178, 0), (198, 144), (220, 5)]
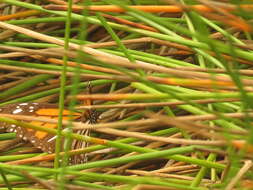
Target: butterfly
[(41, 139)]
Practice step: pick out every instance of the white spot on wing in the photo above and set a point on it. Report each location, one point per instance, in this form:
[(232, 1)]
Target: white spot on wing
[(23, 104), (53, 138), (17, 111)]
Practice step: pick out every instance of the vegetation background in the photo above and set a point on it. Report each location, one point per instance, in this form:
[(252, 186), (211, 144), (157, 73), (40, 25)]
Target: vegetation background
[(170, 81)]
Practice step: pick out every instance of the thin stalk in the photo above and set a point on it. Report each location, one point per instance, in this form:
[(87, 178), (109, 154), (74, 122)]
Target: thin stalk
[(58, 142), (7, 136), (17, 157), (32, 81), (202, 172)]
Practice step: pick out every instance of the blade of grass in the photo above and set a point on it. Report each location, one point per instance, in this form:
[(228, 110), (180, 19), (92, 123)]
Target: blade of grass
[(32, 81), (5, 180), (62, 93)]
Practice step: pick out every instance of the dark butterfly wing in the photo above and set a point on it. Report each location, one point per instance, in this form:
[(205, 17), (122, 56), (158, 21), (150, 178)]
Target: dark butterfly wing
[(92, 116), (39, 139)]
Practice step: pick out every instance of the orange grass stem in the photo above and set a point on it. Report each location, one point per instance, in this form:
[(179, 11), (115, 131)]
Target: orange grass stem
[(242, 145), (19, 15), (112, 97), (83, 66), (191, 82), (130, 23), (44, 158), (146, 8)]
